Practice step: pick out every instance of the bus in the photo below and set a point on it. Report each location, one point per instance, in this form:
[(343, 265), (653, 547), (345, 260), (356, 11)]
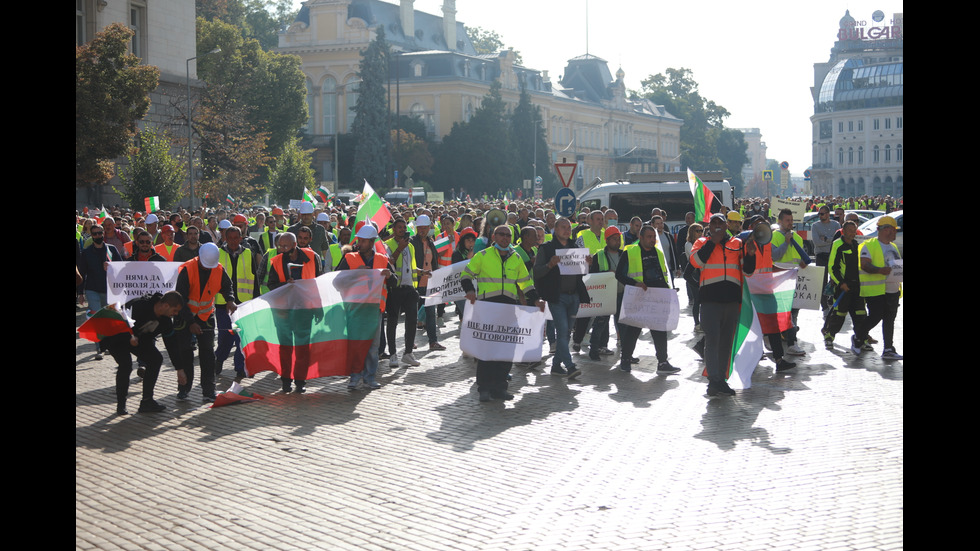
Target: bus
[(640, 192)]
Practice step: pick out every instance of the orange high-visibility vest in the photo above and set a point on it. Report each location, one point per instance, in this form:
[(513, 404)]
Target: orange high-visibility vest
[(354, 261), (724, 264), (167, 254), (201, 301), (309, 268)]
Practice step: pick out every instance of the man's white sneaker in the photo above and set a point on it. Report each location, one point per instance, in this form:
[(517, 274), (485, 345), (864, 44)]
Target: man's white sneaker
[(795, 350), (393, 362), (410, 360)]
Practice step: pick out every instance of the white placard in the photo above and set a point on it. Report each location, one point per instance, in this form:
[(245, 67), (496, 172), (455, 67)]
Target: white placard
[(496, 332), (572, 261), (128, 280), (809, 287), (897, 269), (655, 308), (602, 292), (776, 204), (444, 284)]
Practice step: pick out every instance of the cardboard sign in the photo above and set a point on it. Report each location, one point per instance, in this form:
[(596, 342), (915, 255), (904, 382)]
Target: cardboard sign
[(602, 292), (655, 308), (497, 332), (809, 287), (897, 271), (128, 280)]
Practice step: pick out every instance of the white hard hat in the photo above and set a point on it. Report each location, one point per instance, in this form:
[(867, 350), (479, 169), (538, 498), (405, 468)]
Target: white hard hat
[(367, 232), (306, 208), (322, 217), (422, 220), (152, 219), (224, 224), (209, 255)]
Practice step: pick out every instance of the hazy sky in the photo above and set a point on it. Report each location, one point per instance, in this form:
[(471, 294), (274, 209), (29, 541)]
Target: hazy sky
[(754, 58)]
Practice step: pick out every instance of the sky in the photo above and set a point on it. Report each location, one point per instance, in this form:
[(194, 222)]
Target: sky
[(754, 58)]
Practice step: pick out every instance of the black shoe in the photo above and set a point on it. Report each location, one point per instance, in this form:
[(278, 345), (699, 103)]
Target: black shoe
[(501, 395), (624, 365), (574, 372), (783, 365), (484, 395), (210, 397), (699, 348), (384, 356), (665, 367), (140, 372), (594, 355), (151, 406), (722, 389), (559, 371), (634, 360), (300, 388), (121, 409), (577, 346), (287, 388)]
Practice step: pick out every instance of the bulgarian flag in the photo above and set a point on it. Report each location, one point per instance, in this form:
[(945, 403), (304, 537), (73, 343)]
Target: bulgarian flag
[(152, 204), (103, 214), (307, 196), (444, 244), (104, 323), (229, 199), (372, 208), (323, 193), (235, 395), (702, 197), (772, 296), (322, 327), (747, 349)]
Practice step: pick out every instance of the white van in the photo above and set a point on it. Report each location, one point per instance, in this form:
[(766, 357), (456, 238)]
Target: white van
[(639, 193)]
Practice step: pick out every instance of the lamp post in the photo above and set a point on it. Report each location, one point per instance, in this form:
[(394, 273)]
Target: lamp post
[(190, 128)]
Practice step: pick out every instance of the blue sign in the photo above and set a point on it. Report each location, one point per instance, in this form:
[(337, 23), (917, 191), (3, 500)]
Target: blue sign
[(538, 180), (806, 174), (565, 202)]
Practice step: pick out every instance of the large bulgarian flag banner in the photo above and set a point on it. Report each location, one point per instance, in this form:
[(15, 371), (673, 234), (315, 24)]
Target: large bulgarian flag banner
[(372, 208), (772, 296), (311, 328), (702, 197), (747, 348)]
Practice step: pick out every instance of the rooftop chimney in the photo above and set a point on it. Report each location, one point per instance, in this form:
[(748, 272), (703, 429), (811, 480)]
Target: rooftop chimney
[(449, 23), (408, 18)]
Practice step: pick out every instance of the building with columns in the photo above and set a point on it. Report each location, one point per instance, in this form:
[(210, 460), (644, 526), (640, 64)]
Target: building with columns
[(858, 119), (438, 77)]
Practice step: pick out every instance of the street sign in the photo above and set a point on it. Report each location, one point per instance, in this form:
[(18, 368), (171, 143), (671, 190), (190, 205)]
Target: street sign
[(806, 174), (565, 202), (566, 171), (538, 180), (784, 165), (767, 175)]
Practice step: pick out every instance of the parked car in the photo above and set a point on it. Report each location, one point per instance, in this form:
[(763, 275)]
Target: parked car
[(870, 229)]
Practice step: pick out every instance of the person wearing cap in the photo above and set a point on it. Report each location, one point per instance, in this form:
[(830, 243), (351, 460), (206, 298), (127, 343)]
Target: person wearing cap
[(222, 226), (590, 238), (323, 220), (763, 265), (734, 219), (786, 247), (199, 281), (844, 272), (153, 228), (364, 257), (239, 263), (464, 252), (645, 266), (241, 222), (306, 218), (722, 260), (426, 259), (168, 248), (606, 260), (878, 256)]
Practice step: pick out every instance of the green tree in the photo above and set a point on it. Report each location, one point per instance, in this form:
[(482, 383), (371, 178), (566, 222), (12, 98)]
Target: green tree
[(258, 19), (489, 42), (480, 154), (291, 173), (370, 128), (705, 142), (410, 150), (152, 171), (527, 128), (111, 94)]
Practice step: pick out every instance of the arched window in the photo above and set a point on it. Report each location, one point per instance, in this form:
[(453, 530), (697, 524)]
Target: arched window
[(328, 103), (899, 154), (840, 156)]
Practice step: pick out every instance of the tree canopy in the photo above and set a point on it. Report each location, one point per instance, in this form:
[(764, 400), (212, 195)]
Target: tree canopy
[(370, 129), (705, 142), (111, 94), (488, 42), (258, 19), (152, 171)]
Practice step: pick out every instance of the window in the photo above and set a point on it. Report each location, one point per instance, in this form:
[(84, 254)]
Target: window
[(861, 126), (850, 126), (898, 122), (861, 155), (350, 99), (899, 156), (137, 22), (840, 156), (850, 155), (875, 155), (888, 153), (875, 125), (888, 124), (328, 94), (840, 127)]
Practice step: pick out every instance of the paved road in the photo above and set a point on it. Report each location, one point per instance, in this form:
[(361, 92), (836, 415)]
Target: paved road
[(810, 459)]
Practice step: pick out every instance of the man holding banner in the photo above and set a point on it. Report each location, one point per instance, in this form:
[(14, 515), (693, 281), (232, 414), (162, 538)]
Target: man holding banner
[(606, 260), (645, 266), (501, 277)]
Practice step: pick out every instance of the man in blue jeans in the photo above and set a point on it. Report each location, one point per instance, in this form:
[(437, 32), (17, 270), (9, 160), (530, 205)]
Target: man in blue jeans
[(563, 294)]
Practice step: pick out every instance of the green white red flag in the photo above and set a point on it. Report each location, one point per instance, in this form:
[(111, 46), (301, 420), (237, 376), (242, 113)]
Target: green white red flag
[(443, 243), (104, 323), (372, 208), (152, 204), (322, 327), (702, 197), (772, 296), (307, 196), (103, 214)]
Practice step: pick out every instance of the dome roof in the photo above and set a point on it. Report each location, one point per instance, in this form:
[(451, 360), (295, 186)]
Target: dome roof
[(851, 84)]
